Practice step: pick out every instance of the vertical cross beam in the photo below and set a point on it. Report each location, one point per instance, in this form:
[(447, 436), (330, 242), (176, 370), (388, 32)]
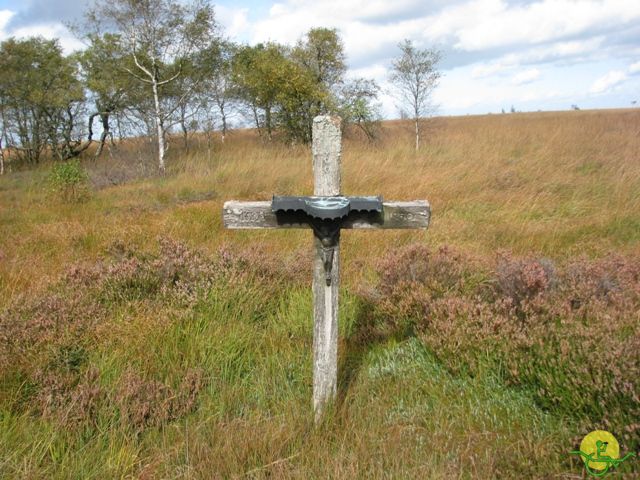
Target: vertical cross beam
[(327, 148)]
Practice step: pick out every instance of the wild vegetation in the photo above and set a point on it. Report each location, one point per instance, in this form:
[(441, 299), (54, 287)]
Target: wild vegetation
[(159, 67), (138, 338)]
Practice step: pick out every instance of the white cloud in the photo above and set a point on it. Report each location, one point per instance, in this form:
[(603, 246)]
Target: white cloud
[(456, 94), (526, 76), (558, 51), (504, 45), (481, 24), (5, 17), (540, 31), (590, 47), (634, 68), (487, 70), (234, 20), (608, 81), (49, 31), (366, 26), (278, 9), (376, 71)]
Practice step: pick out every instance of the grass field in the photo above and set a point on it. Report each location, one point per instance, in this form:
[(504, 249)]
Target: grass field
[(139, 339)]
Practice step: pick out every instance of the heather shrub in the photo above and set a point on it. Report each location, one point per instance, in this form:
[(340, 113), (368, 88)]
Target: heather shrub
[(416, 264), (79, 400), (411, 279), (51, 332), (130, 280), (44, 349), (175, 272), (582, 357), (180, 274), (143, 403), (258, 264), (72, 399), (569, 335), (49, 344), (523, 281)]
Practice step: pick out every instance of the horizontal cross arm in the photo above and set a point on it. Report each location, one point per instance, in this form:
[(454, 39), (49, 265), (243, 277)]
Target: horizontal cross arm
[(245, 215)]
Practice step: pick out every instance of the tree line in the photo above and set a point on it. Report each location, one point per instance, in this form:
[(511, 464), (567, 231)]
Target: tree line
[(155, 67)]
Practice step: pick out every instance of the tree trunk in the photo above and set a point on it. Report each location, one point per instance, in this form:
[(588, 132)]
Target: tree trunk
[(2, 137), (1, 158), (185, 135), (104, 119), (183, 127), (159, 127), (256, 119), (224, 124), (120, 134), (74, 149), (417, 120), (267, 121)]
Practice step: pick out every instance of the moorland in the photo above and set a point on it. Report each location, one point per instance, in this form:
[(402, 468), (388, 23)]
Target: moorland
[(140, 339)]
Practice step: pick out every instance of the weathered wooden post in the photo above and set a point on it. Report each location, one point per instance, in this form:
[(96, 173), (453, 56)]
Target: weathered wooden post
[(327, 212), (326, 150)]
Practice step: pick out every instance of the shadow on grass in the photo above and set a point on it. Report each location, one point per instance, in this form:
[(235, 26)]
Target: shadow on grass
[(367, 333)]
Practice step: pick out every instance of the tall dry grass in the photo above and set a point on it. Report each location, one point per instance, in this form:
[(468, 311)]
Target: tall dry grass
[(551, 183), (125, 356)]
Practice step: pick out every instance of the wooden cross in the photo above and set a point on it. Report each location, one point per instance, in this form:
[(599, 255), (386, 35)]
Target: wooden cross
[(326, 269)]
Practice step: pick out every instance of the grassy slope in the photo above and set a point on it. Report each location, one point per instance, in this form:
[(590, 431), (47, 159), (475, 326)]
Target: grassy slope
[(554, 184)]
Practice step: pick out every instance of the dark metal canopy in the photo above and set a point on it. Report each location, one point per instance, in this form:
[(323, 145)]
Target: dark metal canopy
[(326, 208)]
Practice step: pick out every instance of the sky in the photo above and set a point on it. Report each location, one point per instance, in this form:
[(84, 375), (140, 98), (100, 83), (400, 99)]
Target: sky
[(498, 54)]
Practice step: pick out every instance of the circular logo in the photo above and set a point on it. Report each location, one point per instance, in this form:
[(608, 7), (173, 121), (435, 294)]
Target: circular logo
[(600, 447)]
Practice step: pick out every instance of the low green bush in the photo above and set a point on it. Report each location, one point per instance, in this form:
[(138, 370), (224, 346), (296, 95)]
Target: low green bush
[(69, 181)]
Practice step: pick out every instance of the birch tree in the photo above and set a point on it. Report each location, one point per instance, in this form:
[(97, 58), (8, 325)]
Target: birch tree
[(159, 36), (414, 74)]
